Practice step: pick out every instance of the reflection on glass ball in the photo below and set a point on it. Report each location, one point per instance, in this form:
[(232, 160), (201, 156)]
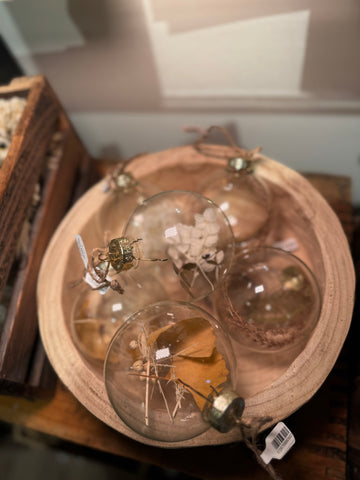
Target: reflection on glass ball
[(271, 299), (96, 317), (244, 199), (120, 203), (162, 367), (192, 233)]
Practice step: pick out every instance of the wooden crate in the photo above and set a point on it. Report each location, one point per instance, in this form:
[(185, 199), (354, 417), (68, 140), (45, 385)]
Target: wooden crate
[(24, 369)]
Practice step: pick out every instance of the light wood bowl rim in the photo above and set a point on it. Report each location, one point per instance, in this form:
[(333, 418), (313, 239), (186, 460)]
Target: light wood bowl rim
[(284, 396)]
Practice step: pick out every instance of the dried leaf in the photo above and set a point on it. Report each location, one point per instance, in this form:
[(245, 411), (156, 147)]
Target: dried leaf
[(195, 359), (154, 335), (191, 337), (201, 374)]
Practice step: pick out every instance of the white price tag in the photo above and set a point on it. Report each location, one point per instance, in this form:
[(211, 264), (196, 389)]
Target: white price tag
[(278, 443), (93, 280), (82, 250)]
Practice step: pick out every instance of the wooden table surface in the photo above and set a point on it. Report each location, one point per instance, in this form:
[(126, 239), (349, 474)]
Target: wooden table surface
[(320, 427)]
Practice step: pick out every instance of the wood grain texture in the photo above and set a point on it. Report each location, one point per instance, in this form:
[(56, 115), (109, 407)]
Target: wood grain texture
[(22, 313), (22, 167), (319, 428), (23, 364), (323, 247)]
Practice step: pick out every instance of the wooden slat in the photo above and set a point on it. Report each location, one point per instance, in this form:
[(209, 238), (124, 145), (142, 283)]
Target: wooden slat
[(24, 368), (22, 167), (20, 328)]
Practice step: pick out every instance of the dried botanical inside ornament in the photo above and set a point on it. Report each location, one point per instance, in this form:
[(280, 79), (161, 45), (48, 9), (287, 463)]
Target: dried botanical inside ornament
[(271, 300), (193, 233), (193, 248), (164, 368)]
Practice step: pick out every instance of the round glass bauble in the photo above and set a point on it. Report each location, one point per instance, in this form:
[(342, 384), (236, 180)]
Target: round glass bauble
[(96, 317), (120, 202), (244, 199), (162, 368), (186, 240), (270, 301)]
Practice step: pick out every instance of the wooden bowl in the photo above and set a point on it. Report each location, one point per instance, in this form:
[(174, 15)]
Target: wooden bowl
[(273, 388)]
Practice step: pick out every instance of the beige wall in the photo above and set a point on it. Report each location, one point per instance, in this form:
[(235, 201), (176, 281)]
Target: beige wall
[(132, 73)]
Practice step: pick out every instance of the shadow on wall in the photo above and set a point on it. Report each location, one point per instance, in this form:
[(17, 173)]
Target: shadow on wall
[(332, 62), (122, 66), (93, 20)]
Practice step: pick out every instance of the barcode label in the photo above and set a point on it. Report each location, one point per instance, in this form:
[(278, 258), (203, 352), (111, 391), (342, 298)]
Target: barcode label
[(281, 438), (278, 443)]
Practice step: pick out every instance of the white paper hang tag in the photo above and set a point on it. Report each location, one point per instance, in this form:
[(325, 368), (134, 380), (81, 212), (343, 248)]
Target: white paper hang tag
[(95, 284), (82, 250), (91, 280), (288, 245), (277, 443)]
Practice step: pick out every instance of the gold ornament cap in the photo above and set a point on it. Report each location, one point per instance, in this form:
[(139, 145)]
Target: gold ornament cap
[(238, 164), (225, 410)]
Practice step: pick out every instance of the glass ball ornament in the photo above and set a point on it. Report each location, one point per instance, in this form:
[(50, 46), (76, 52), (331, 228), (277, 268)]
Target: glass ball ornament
[(191, 235), (165, 368), (124, 193), (95, 317), (270, 301), (243, 197)]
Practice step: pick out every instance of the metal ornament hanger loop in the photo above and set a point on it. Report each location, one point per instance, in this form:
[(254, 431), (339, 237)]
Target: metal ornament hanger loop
[(242, 158)]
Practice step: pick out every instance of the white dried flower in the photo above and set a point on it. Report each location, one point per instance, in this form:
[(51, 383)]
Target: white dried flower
[(196, 244)]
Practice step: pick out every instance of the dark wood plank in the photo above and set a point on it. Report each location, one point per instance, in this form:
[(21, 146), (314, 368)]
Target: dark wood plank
[(354, 406), (20, 335)]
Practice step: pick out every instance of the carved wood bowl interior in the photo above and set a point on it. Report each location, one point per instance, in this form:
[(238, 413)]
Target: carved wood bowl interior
[(273, 386)]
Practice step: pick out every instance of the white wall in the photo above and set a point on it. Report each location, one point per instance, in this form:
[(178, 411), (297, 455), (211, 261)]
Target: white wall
[(133, 73)]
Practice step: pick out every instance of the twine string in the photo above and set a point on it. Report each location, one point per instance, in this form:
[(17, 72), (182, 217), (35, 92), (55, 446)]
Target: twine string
[(247, 155), (120, 170), (251, 441)]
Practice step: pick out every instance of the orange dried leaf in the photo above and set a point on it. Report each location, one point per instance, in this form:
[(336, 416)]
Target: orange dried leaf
[(191, 337), (195, 359), (155, 335), (201, 375)]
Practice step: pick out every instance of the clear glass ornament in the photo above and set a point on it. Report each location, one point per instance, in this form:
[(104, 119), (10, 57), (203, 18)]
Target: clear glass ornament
[(270, 300), (124, 193), (243, 197), (192, 233), (164, 369), (95, 316)]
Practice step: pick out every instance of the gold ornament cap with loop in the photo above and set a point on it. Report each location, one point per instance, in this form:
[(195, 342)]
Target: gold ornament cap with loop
[(224, 410), (240, 193)]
